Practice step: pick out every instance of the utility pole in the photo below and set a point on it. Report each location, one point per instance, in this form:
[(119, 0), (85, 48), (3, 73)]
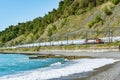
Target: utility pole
[(86, 36), (39, 45), (109, 30), (109, 34), (67, 41)]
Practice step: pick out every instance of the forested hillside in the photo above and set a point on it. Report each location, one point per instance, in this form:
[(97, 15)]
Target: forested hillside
[(57, 21)]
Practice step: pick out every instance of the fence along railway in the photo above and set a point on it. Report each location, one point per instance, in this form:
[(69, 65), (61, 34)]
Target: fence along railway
[(90, 37)]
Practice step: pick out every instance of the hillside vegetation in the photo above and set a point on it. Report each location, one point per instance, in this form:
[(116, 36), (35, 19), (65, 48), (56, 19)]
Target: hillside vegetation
[(71, 17)]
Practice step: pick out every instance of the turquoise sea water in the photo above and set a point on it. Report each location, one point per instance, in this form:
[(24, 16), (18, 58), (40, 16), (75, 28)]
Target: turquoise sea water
[(16, 63), (20, 67)]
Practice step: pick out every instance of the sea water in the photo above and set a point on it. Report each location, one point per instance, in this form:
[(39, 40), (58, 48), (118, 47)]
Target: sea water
[(20, 67), (15, 63)]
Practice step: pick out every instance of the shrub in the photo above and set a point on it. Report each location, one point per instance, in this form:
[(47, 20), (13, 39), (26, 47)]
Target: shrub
[(90, 24), (64, 22), (50, 32), (107, 11), (115, 1), (96, 20), (54, 28)]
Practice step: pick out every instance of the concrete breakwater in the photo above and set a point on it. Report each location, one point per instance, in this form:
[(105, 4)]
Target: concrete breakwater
[(34, 55), (56, 56)]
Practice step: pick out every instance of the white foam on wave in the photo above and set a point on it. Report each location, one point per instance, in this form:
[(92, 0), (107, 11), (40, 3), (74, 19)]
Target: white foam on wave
[(56, 64), (81, 65)]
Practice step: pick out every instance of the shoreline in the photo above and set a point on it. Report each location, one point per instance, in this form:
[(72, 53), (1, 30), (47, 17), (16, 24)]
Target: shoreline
[(88, 75), (108, 72)]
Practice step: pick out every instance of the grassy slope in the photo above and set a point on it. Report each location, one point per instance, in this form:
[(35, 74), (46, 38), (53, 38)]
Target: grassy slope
[(78, 24)]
